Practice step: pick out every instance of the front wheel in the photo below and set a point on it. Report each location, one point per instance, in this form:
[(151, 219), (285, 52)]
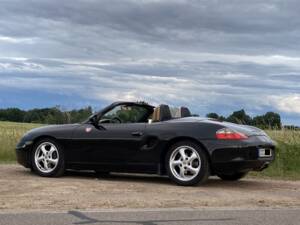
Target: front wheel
[(187, 163), (233, 176), (48, 158)]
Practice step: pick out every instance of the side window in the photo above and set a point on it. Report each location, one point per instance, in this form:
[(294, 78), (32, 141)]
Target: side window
[(111, 115), (125, 114)]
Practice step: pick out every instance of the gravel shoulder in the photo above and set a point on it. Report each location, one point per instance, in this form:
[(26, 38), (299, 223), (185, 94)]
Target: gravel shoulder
[(22, 190)]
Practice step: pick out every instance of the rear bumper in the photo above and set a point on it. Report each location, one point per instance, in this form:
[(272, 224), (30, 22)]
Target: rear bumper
[(242, 159), (240, 166)]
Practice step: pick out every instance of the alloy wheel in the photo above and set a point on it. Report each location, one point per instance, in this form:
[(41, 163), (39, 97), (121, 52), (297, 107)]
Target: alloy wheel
[(185, 163), (46, 157)]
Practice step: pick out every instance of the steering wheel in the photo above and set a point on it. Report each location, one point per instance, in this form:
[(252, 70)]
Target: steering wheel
[(112, 120), (116, 120)]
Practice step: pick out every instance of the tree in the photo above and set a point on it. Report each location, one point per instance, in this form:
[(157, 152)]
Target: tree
[(259, 121), (32, 116), (215, 116), (80, 115), (212, 115), (273, 120), (270, 120), (54, 115), (12, 114), (240, 117)]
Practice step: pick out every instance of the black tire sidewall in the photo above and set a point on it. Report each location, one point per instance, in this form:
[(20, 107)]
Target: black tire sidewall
[(204, 170), (59, 170)]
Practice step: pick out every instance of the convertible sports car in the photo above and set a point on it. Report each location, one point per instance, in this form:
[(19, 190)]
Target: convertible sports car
[(139, 138)]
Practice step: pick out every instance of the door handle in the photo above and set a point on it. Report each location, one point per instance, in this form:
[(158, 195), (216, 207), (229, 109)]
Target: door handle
[(137, 134)]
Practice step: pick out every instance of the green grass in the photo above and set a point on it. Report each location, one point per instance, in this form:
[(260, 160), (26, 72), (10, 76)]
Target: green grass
[(10, 134), (287, 162), (286, 165)]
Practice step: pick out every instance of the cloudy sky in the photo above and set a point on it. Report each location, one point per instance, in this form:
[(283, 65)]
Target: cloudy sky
[(209, 55)]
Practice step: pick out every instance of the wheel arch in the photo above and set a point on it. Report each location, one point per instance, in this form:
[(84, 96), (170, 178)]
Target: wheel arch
[(171, 142)]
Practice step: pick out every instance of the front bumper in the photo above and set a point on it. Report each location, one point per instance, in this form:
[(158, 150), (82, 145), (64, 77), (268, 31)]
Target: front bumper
[(23, 154)]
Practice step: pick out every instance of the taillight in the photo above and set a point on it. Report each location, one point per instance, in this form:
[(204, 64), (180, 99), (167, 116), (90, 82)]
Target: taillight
[(228, 134)]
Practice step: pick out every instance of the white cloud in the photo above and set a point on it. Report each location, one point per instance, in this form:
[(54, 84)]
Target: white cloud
[(211, 56), (16, 40), (287, 103)]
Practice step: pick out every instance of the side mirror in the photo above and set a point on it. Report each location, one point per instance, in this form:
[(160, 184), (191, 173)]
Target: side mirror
[(93, 120)]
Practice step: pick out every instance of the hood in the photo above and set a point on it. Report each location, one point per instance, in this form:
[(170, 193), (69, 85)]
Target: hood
[(53, 128), (245, 129)]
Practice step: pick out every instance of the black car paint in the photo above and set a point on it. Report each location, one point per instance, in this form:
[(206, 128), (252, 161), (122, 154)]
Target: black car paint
[(141, 147)]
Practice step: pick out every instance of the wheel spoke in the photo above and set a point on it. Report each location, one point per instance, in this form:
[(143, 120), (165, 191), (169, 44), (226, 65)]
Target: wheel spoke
[(176, 163), (41, 158), (193, 170), (53, 161), (43, 148), (46, 165), (182, 153), (182, 172), (52, 149), (192, 157)]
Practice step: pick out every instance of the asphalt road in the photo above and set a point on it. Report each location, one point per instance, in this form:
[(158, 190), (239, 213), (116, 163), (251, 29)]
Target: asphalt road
[(157, 217)]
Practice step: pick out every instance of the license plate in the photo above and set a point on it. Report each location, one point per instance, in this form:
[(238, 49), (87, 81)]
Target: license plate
[(264, 152)]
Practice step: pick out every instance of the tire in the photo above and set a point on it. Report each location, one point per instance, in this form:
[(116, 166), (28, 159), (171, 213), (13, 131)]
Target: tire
[(48, 152), (188, 171), (233, 177)]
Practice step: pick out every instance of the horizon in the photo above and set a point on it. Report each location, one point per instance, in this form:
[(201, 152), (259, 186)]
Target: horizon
[(208, 56)]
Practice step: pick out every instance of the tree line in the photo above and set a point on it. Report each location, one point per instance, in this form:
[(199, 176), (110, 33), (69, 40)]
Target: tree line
[(270, 120), (53, 115), (56, 115)]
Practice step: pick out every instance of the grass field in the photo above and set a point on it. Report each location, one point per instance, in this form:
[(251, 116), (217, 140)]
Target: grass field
[(10, 134), (286, 165), (287, 162)]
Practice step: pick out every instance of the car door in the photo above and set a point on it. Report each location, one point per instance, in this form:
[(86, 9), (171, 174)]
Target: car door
[(112, 143), (108, 143)]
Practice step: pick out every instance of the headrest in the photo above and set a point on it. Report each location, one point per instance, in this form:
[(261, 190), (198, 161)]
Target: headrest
[(183, 112), (161, 113)]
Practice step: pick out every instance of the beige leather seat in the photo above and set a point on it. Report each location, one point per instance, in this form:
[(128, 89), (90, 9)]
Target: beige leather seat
[(161, 113)]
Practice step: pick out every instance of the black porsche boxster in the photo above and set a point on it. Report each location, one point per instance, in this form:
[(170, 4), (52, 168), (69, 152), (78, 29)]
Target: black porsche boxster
[(139, 138)]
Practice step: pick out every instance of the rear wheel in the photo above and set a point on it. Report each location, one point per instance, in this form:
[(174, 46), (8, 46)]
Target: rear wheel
[(48, 158), (187, 163), (233, 177)]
